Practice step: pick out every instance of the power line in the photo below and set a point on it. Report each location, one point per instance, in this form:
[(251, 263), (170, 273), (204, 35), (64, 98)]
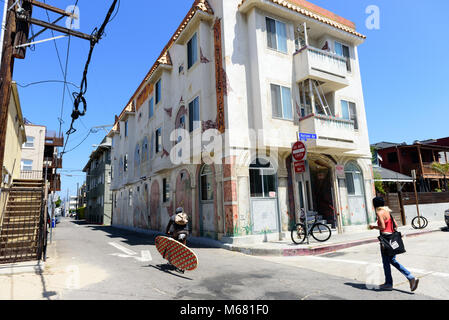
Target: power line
[(79, 97)]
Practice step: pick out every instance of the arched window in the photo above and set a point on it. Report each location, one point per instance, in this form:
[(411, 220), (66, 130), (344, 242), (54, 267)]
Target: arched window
[(137, 156), (354, 180), (206, 183), (262, 179)]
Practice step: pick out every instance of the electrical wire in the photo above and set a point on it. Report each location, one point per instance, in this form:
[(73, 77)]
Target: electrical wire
[(79, 97), (45, 81)]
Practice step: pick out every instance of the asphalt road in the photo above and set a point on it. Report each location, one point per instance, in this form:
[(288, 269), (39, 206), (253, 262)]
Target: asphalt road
[(105, 263)]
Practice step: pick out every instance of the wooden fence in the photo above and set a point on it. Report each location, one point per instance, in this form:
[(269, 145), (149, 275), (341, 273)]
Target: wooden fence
[(409, 198)]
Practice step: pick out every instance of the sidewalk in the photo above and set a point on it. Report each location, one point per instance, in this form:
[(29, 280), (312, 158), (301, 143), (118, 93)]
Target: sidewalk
[(337, 242)]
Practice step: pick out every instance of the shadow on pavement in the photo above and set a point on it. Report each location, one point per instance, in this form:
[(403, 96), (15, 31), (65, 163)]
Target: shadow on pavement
[(362, 286), (167, 268), (132, 238)]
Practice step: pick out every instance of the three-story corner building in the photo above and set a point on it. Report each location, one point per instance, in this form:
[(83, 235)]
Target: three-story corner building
[(98, 185), (255, 74)]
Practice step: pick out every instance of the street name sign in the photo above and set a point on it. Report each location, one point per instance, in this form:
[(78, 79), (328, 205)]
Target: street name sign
[(307, 136)]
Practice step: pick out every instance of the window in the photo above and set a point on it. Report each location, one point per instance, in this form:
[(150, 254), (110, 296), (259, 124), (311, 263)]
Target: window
[(158, 140), (349, 112), (354, 180), (130, 198), (29, 143), (166, 190), (194, 114), (281, 100), (277, 35), (343, 51), (125, 163), (27, 165), (262, 179), (126, 128), (192, 51), (158, 91), (207, 193), (151, 109)]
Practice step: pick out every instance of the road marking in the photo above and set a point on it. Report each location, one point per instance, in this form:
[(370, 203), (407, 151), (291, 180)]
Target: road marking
[(123, 249), (414, 270), (145, 256)]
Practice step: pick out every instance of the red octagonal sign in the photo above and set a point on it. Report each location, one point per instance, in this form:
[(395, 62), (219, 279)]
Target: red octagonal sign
[(299, 151)]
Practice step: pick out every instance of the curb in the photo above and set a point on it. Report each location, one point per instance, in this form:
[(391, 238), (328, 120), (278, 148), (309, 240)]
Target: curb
[(312, 251), (21, 268)]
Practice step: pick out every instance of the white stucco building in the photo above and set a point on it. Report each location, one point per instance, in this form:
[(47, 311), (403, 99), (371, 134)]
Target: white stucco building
[(246, 71)]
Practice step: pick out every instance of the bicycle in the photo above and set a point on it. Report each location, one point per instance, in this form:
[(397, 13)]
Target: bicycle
[(319, 231), (420, 222)]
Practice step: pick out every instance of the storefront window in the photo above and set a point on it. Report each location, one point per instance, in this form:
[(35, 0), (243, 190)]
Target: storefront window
[(262, 179)]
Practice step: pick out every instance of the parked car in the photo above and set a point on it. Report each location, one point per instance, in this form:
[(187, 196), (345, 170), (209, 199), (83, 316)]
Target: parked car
[(446, 217)]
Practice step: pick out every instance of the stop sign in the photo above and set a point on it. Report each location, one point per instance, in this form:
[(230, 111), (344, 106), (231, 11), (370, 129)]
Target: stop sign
[(299, 151)]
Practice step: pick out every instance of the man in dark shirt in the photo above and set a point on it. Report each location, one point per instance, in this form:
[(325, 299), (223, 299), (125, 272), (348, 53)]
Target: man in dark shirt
[(179, 225)]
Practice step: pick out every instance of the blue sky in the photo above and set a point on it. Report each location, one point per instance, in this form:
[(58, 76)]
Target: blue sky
[(404, 68)]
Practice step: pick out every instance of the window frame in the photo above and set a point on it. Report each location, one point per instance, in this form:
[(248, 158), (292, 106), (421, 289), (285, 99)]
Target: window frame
[(192, 114), (276, 35), (192, 50), (342, 54), (158, 92), (281, 95), (158, 142), (352, 114)]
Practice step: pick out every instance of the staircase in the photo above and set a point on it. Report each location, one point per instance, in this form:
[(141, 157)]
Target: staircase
[(23, 227)]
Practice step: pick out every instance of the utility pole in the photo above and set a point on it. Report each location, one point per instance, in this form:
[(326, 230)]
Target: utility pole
[(6, 70)]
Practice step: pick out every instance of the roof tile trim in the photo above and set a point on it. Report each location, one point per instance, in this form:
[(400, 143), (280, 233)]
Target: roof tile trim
[(313, 11), (164, 57)]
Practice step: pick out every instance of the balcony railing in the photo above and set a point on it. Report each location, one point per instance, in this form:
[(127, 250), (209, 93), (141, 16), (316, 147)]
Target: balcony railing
[(332, 133), (313, 63), (31, 175), (53, 162)]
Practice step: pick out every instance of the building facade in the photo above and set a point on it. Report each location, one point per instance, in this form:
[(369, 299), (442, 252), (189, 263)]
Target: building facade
[(15, 137), (211, 126), (98, 184), (33, 150)]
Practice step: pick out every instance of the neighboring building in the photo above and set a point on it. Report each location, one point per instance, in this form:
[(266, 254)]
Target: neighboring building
[(98, 181), (40, 158), (403, 158), (255, 72), (73, 202), (33, 151), (82, 196)]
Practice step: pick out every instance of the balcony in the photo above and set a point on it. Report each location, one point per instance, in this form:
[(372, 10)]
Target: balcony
[(53, 162), (52, 139), (334, 135), (327, 67)]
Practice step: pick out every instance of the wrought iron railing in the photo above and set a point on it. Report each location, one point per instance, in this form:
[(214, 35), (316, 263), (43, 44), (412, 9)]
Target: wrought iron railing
[(23, 230)]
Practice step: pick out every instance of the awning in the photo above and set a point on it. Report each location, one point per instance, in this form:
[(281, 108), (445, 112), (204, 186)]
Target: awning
[(387, 175)]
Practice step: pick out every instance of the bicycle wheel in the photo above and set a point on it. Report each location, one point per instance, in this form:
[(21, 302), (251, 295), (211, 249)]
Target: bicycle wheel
[(321, 232), (419, 223), (298, 234), (426, 222)]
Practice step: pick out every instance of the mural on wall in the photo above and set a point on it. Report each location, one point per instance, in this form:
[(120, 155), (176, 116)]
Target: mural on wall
[(155, 206), (219, 76)]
